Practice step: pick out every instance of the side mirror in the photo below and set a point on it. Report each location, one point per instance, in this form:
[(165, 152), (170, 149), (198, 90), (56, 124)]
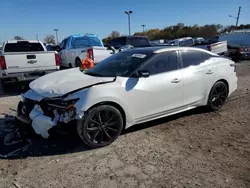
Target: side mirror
[(143, 73)]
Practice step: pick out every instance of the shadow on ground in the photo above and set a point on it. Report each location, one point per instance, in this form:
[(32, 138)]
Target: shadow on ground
[(14, 89), (65, 140), (61, 141)]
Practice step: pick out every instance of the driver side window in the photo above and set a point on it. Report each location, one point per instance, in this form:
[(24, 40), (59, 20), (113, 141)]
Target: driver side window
[(162, 63)]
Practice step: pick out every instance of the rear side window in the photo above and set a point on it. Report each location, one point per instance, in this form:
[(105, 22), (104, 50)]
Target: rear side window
[(205, 56), (191, 58), (163, 62), (23, 47), (138, 41)]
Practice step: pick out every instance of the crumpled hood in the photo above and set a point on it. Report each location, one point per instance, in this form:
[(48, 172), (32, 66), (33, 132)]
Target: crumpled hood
[(62, 82)]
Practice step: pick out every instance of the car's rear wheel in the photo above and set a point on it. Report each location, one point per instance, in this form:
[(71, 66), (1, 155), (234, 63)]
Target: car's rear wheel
[(100, 126), (77, 62), (218, 96)]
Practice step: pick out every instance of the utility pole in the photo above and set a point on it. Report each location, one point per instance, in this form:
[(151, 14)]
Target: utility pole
[(128, 13), (143, 25), (238, 16), (36, 37), (56, 30)]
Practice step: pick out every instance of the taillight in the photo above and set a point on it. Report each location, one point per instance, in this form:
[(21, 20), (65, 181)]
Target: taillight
[(241, 49), (2, 63), (57, 57), (209, 48), (90, 54), (249, 49)]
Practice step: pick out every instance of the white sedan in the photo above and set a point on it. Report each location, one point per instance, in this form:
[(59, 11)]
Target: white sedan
[(128, 88)]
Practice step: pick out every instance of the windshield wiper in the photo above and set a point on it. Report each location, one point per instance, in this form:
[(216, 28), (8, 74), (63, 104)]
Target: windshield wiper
[(93, 74)]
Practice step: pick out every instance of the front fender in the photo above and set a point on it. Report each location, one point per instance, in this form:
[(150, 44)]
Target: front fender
[(111, 99)]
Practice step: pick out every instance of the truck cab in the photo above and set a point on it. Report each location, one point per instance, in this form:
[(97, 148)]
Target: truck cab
[(75, 48)]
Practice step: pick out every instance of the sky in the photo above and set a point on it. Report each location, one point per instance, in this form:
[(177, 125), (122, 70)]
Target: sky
[(29, 18)]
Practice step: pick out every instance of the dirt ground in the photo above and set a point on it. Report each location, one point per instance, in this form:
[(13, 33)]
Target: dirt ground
[(192, 149)]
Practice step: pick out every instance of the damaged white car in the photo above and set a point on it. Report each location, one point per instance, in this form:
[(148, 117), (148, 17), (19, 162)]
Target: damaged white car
[(127, 88)]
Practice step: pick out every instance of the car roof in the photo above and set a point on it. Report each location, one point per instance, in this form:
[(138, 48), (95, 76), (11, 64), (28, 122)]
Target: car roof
[(160, 49)]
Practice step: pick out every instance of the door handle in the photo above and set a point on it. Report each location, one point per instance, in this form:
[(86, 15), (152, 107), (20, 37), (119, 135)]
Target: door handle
[(176, 80), (209, 72)]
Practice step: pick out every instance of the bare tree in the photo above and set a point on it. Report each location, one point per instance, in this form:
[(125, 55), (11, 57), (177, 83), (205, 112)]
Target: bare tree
[(18, 38), (50, 39), (114, 34)]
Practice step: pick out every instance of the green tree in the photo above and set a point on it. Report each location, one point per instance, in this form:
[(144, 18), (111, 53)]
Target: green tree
[(18, 38), (114, 34), (50, 39)]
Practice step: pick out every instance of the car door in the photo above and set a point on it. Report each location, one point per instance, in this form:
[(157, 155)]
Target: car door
[(198, 75), (62, 53), (161, 92)]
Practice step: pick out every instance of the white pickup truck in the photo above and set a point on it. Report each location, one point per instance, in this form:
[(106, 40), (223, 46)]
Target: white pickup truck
[(75, 48), (22, 60)]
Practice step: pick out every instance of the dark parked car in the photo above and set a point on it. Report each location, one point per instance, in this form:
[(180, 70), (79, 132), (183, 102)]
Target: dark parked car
[(135, 41), (238, 44)]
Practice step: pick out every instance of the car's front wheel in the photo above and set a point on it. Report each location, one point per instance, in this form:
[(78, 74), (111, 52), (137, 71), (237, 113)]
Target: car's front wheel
[(218, 96), (100, 126)]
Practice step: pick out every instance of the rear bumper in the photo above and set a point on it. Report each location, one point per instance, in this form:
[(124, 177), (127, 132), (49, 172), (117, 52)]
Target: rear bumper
[(24, 76), (244, 55)]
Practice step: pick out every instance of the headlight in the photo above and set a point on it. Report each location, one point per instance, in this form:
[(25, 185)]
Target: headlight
[(62, 104)]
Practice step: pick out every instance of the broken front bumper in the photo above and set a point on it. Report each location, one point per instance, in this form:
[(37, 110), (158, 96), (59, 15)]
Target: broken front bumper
[(44, 115)]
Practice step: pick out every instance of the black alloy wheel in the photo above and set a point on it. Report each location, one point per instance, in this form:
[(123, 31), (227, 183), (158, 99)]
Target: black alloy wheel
[(100, 126), (218, 96)]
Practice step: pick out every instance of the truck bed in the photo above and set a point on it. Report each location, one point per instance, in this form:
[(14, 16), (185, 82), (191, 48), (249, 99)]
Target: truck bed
[(218, 47)]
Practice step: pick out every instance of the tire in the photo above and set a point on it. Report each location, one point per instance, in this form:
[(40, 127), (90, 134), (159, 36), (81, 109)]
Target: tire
[(24, 127), (4, 86), (77, 62), (100, 126), (217, 96)]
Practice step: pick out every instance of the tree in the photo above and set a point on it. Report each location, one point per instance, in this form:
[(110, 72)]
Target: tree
[(114, 34), (50, 39), (18, 38)]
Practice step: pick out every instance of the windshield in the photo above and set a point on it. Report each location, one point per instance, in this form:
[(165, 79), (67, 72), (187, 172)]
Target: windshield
[(120, 64), (85, 41)]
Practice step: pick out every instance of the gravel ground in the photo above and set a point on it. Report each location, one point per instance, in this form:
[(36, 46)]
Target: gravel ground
[(192, 149)]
